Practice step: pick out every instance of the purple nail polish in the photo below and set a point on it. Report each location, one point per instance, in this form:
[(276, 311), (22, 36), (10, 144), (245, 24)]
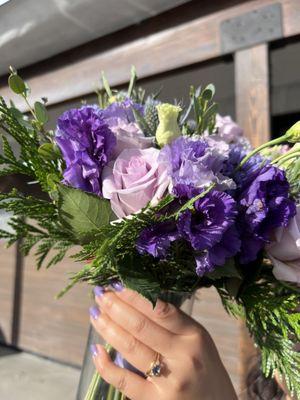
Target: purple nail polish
[(98, 291), (94, 312), (118, 286), (94, 350)]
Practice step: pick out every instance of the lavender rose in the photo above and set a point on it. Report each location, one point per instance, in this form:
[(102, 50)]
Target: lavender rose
[(284, 251), (129, 136), (87, 144), (133, 180)]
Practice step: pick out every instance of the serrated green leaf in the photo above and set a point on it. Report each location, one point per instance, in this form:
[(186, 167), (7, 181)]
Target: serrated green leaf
[(16, 84), (84, 213)]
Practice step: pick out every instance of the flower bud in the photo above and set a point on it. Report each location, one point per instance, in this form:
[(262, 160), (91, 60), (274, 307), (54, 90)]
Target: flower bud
[(168, 128), (293, 134)]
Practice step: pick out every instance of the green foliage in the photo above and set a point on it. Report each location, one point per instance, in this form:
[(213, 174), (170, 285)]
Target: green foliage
[(47, 233), (269, 310), (29, 162), (16, 84), (83, 213), (275, 326), (204, 110), (40, 112)]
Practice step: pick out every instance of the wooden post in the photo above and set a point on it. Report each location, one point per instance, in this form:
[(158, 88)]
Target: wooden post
[(252, 92), (253, 114)]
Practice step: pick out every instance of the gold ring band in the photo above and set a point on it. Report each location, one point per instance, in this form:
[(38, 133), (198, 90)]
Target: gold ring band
[(155, 367)]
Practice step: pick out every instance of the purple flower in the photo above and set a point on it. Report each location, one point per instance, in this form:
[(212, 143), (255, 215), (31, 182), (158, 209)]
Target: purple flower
[(121, 110), (208, 231), (156, 239), (86, 143), (227, 129), (264, 205), (205, 228), (195, 163)]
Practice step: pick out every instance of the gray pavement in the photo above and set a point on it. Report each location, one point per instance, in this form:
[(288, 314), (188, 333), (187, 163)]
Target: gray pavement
[(25, 376)]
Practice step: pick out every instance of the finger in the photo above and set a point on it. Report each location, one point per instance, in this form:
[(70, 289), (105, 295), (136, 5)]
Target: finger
[(136, 323), (126, 382), (164, 314), (138, 354)]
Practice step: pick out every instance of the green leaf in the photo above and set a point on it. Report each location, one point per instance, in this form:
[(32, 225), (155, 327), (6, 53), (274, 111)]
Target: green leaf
[(136, 277), (132, 81), (16, 84), (40, 112), (49, 151), (208, 92), (84, 213)]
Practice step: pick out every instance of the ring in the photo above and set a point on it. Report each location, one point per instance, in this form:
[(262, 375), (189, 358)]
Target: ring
[(155, 367)]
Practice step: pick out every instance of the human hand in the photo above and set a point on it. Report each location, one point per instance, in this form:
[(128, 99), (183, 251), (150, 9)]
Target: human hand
[(191, 366)]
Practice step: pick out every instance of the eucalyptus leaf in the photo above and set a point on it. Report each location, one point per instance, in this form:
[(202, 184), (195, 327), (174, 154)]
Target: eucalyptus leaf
[(84, 213), (16, 84), (41, 112)]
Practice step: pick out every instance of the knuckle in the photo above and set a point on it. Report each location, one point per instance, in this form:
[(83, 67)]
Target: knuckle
[(122, 383), (131, 345), (164, 310), (108, 300), (200, 338), (139, 325)]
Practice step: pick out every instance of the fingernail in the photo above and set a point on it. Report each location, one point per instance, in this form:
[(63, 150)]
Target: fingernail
[(94, 312), (118, 286), (94, 350), (98, 291)]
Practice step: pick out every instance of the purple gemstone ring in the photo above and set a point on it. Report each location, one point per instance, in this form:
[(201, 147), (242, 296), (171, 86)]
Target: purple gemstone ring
[(155, 367)]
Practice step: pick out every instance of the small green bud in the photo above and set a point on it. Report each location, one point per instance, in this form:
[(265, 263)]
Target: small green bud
[(293, 134), (168, 128)]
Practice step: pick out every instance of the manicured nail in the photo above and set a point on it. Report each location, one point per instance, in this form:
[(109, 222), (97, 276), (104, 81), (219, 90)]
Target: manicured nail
[(98, 291), (117, 286), (94, 312), (94, 350)]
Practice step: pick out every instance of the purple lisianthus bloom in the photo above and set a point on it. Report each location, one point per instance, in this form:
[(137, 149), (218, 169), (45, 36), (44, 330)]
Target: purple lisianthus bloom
[(121, 110), (236, 154), (209, 230), (195, 163), (205, 228), (156, 239), (264, 205), (87, 144)]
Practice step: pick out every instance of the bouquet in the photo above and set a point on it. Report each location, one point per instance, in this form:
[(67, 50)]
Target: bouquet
[(164, 198)]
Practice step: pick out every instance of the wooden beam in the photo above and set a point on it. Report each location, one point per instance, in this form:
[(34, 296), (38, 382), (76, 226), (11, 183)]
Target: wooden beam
[(252, 92), (253, 114), (179, 46)]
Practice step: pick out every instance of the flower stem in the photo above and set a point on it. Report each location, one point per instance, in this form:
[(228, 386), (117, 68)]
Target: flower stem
[(93, 388), (263, 146), (289, 157)]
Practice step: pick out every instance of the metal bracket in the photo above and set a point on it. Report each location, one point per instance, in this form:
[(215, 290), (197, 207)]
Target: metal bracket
[(261, 25)]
